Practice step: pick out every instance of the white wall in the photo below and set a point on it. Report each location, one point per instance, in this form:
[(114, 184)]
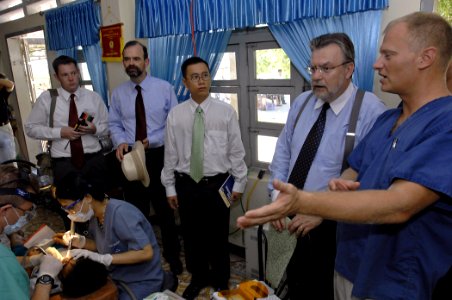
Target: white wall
[(397, 8), (113, 12)]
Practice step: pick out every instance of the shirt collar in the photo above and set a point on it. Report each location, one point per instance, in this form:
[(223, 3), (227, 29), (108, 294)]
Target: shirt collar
[(66, 95), (204, 105), (143, 84), (338, 104)]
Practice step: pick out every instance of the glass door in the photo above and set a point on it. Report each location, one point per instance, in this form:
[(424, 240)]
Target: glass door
[(30, 68)]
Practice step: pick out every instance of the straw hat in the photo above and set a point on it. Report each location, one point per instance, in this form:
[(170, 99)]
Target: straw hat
[(134, 164)]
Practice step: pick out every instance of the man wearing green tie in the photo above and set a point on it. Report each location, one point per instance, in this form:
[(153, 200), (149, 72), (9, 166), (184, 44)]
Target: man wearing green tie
[(202, 147)]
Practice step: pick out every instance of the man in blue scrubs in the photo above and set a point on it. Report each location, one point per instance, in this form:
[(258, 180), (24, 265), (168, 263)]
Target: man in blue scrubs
[(403, 245)]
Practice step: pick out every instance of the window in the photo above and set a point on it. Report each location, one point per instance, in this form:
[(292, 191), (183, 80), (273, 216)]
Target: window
[(85, 79), (256, 77)]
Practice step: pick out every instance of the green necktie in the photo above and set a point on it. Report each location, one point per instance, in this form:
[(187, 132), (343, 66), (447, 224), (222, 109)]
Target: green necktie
[(197, 146)]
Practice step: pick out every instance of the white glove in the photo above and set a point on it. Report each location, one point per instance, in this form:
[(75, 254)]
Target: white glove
[(50, 266), (78, 240), (104, 259), (33, 261)]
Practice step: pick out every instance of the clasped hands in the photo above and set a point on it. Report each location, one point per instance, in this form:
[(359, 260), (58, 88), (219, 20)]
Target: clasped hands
[(71, 133)]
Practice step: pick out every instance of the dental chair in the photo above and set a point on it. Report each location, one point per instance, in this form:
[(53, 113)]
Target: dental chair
[(108, 292)]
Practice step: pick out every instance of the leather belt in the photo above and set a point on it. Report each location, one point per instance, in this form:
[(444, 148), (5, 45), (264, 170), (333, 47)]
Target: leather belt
[(205, 180)]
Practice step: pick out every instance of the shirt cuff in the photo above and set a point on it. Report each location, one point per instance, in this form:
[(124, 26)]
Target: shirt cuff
[(170, 191), (56, 133), (239, 187), (274, 195)]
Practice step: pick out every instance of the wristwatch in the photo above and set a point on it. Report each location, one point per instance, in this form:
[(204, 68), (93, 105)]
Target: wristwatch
[(45, 279)]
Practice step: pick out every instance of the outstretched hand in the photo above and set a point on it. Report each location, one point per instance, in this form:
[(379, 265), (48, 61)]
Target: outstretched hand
[(286, 204)]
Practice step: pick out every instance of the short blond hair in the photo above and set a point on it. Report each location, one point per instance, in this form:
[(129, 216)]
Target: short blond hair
[(427, 30)]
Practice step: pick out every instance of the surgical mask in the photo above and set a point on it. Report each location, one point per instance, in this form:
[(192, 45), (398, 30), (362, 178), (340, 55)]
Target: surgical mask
[(21, 222), (80, 216)]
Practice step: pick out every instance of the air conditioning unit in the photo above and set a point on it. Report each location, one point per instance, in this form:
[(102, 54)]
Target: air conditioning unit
[(255, 195)]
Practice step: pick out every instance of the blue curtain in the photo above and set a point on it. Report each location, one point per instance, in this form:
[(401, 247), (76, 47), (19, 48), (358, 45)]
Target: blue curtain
[(77, 24), (97, 69), (169, 52), (71, 52), (162, 17), (294, 38)]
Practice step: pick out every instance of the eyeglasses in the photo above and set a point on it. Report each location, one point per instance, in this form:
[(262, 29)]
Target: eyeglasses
[(324, 69), (69, 207), (30, 213), (195, 77)]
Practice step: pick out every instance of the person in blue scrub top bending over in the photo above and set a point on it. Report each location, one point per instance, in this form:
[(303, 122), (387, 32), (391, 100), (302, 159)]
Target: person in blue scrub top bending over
[(122, 238)]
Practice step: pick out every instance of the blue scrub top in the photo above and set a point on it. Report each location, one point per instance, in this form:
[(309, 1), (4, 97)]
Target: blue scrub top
[(126, 228), (402, 261)]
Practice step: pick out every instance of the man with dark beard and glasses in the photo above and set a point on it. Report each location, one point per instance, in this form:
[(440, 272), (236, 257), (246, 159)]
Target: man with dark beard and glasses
[(138, 112)]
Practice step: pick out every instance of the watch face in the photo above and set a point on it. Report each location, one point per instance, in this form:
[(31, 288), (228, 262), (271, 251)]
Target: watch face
[(45, 279)]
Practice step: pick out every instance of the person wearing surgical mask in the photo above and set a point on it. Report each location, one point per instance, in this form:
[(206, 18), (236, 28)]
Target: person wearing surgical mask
[(119, 236), (16, 210)]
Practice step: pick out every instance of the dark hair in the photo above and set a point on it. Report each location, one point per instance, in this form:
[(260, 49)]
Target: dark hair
[(338, 38), (63, 60), (192, 61), (134, 43), (86, 277), (12, 177), (74, 186)]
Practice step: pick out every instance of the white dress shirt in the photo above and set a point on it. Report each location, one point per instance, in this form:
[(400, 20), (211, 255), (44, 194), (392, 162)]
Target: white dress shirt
[(37, 125), (223, 147)]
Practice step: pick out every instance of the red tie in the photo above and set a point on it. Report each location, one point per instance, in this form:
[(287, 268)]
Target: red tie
[(140, 115), (77, 157)]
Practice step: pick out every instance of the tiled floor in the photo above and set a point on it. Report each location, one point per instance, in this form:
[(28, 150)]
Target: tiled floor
[(53, 220)]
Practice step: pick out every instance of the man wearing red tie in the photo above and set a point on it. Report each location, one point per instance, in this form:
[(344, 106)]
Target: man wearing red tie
[(138, 112), (74, 144)]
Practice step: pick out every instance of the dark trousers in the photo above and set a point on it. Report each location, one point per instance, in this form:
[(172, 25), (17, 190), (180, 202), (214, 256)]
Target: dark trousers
[(311, 268), (205, 229), (140, 196), (95, 168), (443, 290)]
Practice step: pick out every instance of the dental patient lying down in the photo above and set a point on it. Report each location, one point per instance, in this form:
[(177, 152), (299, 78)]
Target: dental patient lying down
[(78, 278)]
